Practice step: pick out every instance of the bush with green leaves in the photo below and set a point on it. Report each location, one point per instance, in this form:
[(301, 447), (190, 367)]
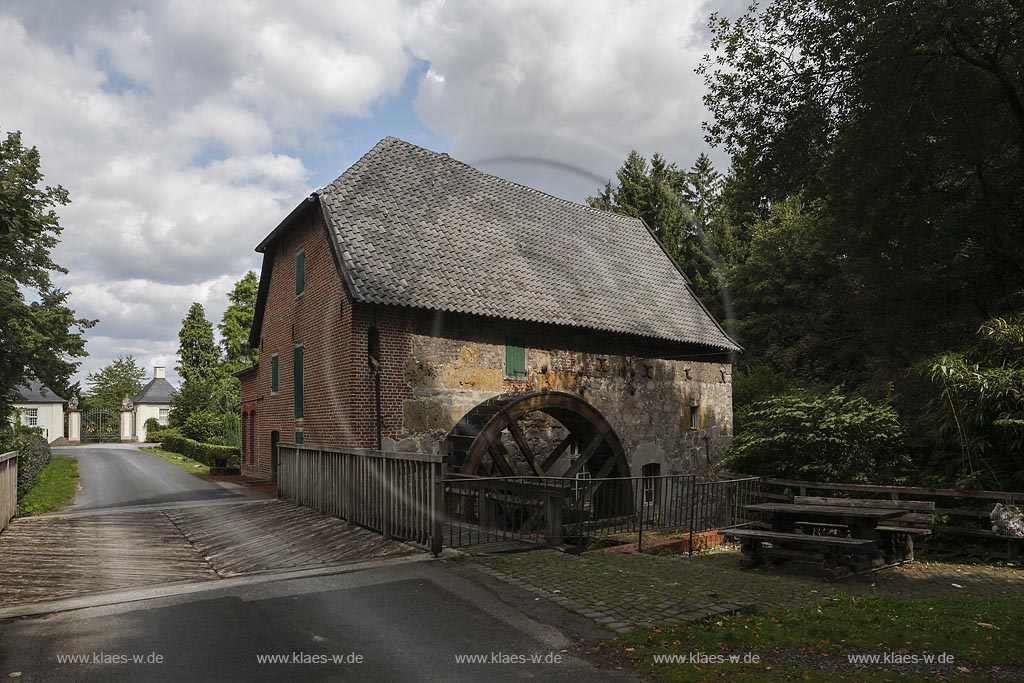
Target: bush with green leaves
[(830, 437), (205, 453), (977, 419), (35, 455), (201, 425), (158, 435)]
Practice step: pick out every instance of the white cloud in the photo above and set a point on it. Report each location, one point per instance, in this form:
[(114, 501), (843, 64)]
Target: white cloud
[(175, 127), (556, 94), (185, 130)]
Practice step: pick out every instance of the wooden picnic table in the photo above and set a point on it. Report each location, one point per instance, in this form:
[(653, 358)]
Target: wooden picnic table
[(802, 531), (862, 521)]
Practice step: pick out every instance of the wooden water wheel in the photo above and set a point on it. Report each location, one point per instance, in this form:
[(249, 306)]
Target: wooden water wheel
[(477, 445), (494, 439)]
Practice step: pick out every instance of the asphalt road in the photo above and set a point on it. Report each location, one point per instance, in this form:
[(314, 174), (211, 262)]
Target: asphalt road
[(399, 623), (120, 475)]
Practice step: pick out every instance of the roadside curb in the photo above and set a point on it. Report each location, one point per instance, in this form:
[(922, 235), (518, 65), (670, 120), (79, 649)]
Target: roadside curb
[(146, 508), (185, 588)]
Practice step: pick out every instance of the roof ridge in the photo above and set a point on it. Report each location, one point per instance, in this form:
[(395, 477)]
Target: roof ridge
[(412, 227), (474, 169)]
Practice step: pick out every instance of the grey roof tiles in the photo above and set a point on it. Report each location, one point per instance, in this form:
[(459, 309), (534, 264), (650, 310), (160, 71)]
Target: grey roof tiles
[(157, 391), (417, 228), (34, 391)]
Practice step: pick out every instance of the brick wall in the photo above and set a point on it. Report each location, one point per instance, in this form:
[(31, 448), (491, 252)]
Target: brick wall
[(321, 320)]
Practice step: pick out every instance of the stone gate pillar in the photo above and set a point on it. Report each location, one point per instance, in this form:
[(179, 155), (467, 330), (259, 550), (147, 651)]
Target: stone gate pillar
[(127, 420), (75, 426)]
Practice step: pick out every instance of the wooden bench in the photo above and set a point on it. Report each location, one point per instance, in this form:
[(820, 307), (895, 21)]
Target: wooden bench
[(832, 550), (896, 535)]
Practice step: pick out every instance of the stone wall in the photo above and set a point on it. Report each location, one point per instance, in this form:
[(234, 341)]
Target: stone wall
[(648, 400)]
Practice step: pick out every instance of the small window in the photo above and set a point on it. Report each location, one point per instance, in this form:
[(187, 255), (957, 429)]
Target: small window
[(31, 417), (581, 480), (650, 474), (164, 414), (274, 364), (300, 272), (298, 438), (695, 416), (515, 361), (298, 381)]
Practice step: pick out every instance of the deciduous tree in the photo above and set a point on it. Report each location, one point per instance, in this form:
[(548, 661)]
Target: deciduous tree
[(237, 322), (39, 337), (111, 384)]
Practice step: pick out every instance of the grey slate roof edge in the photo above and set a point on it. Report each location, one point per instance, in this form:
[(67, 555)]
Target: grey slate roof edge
[(143, 398), (569, 329), (356, 292), (287, 222), (343, 274), (245, 371), (262, 292), (689, 283), (31, 391)]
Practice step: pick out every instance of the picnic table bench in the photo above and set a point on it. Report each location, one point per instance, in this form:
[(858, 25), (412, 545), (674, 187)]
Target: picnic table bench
[(843, 534), (896, 534)]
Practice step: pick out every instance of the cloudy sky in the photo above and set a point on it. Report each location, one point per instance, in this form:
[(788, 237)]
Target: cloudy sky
[(185, 130)]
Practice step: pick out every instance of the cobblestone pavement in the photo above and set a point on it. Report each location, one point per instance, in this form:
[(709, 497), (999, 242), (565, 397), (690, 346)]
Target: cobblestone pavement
[(625, 590)]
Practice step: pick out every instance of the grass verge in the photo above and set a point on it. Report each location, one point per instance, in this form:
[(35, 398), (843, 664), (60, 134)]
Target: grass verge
[(812, 644), (177, 459), (57, 483)]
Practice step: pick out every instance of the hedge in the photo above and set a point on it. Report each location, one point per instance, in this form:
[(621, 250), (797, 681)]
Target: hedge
[(164, 432), (35, 455), (205, 453)]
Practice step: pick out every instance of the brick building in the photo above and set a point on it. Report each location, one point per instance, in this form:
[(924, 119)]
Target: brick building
[(414, 288)]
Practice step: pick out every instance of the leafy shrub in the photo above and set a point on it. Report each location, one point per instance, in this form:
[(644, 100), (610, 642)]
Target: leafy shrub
[(231, 428), (153, 425), (201, 426), (205, 453), (35, 455), (828, 437), (977, 418), (158, 435)]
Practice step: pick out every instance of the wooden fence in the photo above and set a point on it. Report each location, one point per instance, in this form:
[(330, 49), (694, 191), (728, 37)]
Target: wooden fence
[(960, 513), (8, 487), (400, 495)]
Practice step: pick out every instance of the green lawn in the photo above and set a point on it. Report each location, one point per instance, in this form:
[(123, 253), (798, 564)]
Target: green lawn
[(57, 483), (977, 632), (177, 459)]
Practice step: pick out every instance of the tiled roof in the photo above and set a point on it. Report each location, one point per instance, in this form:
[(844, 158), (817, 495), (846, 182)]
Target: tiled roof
[(34, 391), (417, 228), (157, 391)]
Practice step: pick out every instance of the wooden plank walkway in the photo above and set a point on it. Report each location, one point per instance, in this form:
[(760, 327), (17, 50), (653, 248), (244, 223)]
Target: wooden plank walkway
[(279, 535), (61, 557), (47, 559)]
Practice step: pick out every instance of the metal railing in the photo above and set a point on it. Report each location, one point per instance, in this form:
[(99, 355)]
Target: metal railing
[(396, 494), (721, 505), (405, 496), (8, 487), (553, 510)]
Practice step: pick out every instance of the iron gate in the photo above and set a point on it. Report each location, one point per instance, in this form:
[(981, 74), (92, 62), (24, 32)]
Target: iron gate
[(99, 425)]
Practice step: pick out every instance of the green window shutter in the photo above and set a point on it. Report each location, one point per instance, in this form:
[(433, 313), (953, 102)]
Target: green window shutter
[(515, 361), (300, 272), (273, 372), (298, 438), (298, 381)]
